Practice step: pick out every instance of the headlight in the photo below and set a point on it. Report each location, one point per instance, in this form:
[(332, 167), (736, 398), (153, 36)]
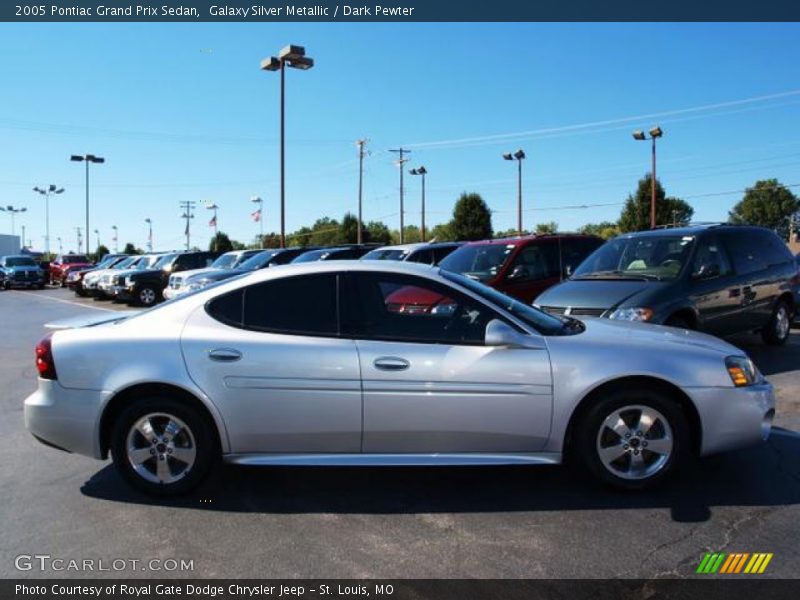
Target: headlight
[(742, 371), (632, 314)]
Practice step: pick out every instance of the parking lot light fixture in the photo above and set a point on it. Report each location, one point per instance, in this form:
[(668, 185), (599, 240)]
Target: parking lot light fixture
[(639, 135), (13, 212), (115, 239), (295, 57), (149, 222), (46, 192), (87, 158), (519, 156), (421, 171)]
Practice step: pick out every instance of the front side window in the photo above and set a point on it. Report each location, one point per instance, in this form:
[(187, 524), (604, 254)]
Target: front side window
[(401, 308), (710, 260), (534, 262), (479, 261)]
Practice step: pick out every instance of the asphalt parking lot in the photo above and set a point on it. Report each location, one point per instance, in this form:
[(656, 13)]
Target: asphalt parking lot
[(394, 522)]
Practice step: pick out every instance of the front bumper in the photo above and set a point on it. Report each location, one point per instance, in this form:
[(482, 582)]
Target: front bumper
[(125, 293), (65, 418), (734, 417)]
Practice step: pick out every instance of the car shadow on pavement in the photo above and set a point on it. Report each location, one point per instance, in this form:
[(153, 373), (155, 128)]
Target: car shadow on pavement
[(761, 476)]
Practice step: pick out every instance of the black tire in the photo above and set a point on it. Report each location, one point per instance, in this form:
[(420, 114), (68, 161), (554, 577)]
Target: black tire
[(207, 452), (147, 296), (679, 322), (587, 439), (776, 331), (79, 291)]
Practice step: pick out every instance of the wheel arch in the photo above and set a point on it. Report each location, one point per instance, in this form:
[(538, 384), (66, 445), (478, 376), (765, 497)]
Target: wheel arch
[(688, 313), (641, 381), (123, 397)]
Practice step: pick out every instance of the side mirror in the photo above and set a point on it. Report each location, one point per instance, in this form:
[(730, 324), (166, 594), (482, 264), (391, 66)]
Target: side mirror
[(568, 269), (501, 334), (519, 272), (707, 271)]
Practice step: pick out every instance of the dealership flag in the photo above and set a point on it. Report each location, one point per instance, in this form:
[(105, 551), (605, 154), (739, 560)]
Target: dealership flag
[(256, 216), (213, 221)]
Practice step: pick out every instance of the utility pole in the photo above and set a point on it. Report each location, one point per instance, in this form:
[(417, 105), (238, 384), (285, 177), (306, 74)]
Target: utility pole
[(188, 207), (360, 144), (23, 236), (400, 162)]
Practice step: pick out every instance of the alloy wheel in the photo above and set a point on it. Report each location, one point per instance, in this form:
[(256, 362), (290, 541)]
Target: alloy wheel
[(635, 442), (782, 322), (147, 296), (161, 448)]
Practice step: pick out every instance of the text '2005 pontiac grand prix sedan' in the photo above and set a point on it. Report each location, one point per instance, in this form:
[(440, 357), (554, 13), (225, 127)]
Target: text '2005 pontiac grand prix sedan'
[(330, 364)]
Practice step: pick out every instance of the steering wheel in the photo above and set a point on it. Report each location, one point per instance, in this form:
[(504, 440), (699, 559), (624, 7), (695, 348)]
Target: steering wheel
[(670, 262)]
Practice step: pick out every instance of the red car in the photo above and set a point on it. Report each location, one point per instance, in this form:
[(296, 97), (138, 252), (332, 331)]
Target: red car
[(63, 264), (522, 267)]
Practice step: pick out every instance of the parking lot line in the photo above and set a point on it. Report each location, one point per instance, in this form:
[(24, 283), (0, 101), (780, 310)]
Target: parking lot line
[(65, 301)]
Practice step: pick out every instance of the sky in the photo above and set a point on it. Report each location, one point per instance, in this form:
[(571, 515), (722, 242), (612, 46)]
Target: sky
[(181, 112)]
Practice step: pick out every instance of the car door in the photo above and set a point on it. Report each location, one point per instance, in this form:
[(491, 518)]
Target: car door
[(714, 289), (270, 358), (430, 384), (750, 265), (534, 269)]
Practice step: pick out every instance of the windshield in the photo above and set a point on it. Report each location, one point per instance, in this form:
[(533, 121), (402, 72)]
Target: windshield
[(386, 254), (653, 257), (164, 261), (314, 255), (74, 258), (480, 261), (541, 321), (19, 261), (259, 260), (126, 262), (226, 261)]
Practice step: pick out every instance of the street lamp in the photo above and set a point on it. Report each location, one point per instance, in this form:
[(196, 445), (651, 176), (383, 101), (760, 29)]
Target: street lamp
[(258, 215), (519, 156), (87, 158), (97, 233), (115, 239), (640, 136), (46, 192), (421, 171), (13, 211), (149, 222), (294, 57), (60, 246)]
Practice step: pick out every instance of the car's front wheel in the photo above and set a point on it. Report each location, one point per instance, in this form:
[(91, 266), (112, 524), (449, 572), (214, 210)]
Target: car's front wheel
[(147, 296), (162, 446), (776, 332), (633, 439)]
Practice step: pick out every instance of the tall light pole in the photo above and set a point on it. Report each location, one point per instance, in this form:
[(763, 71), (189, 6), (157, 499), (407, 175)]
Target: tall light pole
[(294, 57), (23, 235), (361, 153), (46, 192), (87, 158), (519, 156), (13, 211), (421, 171), (115, 239), (149, 222), (60, 246), (400, 162), (655, 133), (188, 207), (258, 215)]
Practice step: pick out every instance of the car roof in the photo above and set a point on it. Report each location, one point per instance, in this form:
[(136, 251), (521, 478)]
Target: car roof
[(412, 246), (692, 229), (527, 239)]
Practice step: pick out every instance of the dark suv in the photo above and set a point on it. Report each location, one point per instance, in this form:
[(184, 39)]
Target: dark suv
[(522, 267), (721, 279), (146, 287)]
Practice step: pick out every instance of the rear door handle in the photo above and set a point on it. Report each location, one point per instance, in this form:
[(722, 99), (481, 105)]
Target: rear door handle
[(391, 363), (224, 355)]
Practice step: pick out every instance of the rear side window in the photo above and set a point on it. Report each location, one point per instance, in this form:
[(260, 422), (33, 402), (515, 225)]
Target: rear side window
[(228, 308), (775, 251), (747, 251), (422, 256), (305, 305)]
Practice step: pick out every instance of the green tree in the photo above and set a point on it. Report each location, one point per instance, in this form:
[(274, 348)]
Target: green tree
[(411, 235), (509, 233), (472, 219), (324, 232), (220, 243), (768, 204), (100, 253), (635, 214), (549, 227), (271, 240), (130, 249), (378, 232), (604, 229), (348, 230), (301, 237), (443, 232)]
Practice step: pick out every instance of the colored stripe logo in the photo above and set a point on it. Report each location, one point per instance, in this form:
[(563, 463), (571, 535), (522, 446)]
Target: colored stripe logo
[(734, 563)]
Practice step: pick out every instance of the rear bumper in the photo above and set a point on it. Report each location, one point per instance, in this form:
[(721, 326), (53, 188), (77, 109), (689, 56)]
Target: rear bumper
[(65, 418), (734, 417)]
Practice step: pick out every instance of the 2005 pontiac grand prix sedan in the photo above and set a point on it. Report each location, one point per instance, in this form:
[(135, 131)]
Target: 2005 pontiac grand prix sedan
[(336, 363)]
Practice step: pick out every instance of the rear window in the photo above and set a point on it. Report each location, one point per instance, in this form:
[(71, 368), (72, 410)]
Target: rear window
[(74, 258)]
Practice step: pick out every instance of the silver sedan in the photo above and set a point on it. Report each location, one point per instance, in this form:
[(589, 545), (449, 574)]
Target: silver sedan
[(362, 363)]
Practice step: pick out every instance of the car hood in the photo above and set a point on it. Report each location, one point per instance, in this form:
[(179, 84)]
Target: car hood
[(196, 273), (144, 273), (218, 274), (624, 334), (596, 293), (23, 268)]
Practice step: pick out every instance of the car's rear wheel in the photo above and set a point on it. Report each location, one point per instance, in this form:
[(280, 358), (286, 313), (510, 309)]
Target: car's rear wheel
[(162, 446), (633, 439), (776, 332)]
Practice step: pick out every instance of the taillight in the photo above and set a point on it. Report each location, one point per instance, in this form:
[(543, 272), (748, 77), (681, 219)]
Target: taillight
[(44, 358)]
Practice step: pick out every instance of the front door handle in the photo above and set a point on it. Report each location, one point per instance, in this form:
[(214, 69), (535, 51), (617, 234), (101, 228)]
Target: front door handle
[(224, 355), (391, 363)]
